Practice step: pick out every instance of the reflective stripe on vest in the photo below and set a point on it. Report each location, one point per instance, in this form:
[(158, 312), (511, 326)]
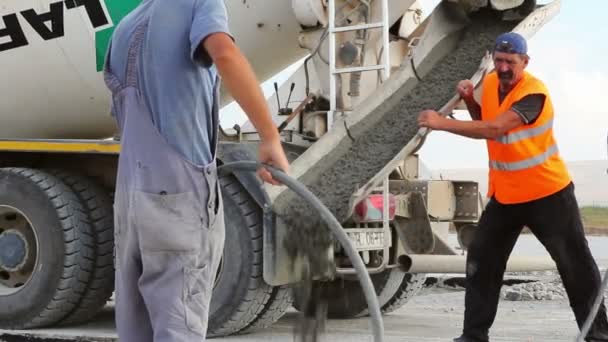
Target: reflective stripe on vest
[(526, 133), (526, 163)]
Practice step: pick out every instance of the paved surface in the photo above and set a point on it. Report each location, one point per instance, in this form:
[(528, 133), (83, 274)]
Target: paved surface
[(435, 315)]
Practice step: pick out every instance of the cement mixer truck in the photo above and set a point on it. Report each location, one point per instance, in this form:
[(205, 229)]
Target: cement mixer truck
[(346, 117)]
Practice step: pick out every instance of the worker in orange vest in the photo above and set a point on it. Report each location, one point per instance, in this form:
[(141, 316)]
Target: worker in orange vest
[(529, 185)]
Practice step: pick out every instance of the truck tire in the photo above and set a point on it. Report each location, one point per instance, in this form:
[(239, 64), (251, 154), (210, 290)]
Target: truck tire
[(44, 224), (240, 294), (411, 284), (100, 213), (392, 286), (280, 301)]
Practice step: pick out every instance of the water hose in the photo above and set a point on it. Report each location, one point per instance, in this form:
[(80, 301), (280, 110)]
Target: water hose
[(334, 226)]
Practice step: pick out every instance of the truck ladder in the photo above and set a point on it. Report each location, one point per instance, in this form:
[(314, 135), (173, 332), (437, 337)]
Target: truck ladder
[(335, 72)]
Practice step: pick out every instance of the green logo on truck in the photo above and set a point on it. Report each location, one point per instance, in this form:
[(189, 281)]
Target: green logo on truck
[(50, 24), (118, 9)]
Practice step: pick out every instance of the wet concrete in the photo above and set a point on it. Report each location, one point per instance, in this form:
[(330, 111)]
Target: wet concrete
[(375, 145)]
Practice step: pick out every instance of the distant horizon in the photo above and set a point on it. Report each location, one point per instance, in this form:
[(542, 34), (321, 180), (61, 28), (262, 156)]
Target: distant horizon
[(589, 177)]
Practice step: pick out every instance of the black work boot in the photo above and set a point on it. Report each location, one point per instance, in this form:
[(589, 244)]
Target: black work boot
[(601, 338), (464, 338), (597, 333), (596, 338)]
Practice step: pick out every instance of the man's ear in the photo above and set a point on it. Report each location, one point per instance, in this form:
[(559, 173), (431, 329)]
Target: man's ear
[(526, 59)]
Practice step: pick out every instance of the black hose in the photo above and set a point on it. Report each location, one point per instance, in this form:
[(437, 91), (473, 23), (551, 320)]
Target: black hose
[(594, 309), (336, 229), (596, 304)]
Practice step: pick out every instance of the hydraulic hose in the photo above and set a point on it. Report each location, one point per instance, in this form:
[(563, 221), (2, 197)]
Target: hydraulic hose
[(336, 229)]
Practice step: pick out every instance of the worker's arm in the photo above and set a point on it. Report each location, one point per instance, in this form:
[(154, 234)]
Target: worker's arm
[(476, 129), (211, 43), (523, 112), (473, 107), (238, 77), (465, 89)]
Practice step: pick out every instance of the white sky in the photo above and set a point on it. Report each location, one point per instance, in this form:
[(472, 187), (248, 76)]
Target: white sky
[(568, 55)]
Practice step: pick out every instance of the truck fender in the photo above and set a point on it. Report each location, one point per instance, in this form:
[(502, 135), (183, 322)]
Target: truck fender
[(232, 152)]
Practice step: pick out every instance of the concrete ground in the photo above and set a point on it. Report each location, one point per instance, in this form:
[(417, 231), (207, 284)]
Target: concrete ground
[(434, 315)]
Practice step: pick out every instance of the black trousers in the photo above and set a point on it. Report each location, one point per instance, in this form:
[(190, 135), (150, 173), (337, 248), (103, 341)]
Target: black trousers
[(556, 223)]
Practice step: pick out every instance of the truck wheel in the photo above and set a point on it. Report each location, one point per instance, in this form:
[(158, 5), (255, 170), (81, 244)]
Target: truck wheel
[(280, 300), (46, 249), (348, 301), (240, 294), (99, 209), (411, 284)]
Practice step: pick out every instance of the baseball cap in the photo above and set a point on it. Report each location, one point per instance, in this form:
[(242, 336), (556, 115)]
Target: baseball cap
[(511, 42)]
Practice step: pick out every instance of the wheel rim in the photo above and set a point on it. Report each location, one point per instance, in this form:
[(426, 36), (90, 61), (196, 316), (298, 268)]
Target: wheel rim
[(19, 258)]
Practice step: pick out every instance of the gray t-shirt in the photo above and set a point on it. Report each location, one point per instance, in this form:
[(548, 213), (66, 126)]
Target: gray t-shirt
[(528, 107), (177, 81)]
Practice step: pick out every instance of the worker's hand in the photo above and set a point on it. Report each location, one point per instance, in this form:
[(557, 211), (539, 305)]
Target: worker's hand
[(430, 119), (465, 89), (271, 153)]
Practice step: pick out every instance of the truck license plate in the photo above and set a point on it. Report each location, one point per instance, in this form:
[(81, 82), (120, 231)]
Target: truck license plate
[(366, 239)]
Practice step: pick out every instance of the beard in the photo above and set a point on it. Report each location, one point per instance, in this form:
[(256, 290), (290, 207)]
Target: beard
[(505, 76)]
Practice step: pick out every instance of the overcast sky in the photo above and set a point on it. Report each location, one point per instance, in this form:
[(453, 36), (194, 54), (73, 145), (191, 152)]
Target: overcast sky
[(568, 55)]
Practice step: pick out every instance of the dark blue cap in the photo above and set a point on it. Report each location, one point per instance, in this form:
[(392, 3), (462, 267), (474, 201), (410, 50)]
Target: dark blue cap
[(511, 42)]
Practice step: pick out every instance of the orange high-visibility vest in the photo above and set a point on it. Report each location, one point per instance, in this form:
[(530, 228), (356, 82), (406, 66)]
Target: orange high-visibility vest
[(524, 163)]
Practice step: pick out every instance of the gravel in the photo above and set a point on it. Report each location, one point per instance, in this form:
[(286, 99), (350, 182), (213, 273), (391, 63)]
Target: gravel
[(517, 287), (548, 287)]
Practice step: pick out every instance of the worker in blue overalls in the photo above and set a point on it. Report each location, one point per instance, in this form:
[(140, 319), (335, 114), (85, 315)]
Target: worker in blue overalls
[(162, 68)]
